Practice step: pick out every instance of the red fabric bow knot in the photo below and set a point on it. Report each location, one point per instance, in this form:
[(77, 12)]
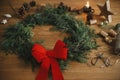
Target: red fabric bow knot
[(48, 58)]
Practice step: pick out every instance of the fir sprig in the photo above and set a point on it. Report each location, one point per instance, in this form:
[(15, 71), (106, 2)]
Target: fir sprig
[(17, 38)]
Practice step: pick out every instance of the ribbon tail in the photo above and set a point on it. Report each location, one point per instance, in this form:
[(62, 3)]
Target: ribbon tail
[(56, 72), (44, 69)]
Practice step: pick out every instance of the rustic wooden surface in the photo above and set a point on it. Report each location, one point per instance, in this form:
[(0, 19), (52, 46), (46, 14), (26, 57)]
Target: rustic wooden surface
[(11, 68)]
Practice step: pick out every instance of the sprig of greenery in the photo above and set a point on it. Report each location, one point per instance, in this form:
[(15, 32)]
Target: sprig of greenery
[(17, 38)]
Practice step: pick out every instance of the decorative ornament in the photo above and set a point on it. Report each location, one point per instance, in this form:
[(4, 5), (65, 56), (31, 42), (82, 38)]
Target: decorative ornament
[(89, 17), (63, 8), (23, 9), (4, 21), (89, 11), (87, 8), (26, 6), (105, 11), (48, 59), (32, 3), (7, 15), (104, 24)]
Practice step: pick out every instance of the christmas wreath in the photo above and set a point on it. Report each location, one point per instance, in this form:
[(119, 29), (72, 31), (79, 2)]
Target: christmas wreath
[(17, 39)]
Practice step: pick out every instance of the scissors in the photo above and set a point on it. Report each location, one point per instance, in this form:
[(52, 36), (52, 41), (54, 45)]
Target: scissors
[(105, 60)]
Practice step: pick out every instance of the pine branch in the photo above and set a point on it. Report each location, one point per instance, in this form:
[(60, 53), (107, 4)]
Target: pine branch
[(17, 38)]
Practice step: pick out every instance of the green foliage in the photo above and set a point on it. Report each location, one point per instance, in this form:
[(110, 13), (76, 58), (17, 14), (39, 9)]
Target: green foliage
[(17, 38), (81, 41), (117, 26), (29, 20)]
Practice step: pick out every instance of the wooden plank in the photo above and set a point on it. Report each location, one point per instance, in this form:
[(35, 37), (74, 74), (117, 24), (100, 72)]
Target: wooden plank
[(11, 68)]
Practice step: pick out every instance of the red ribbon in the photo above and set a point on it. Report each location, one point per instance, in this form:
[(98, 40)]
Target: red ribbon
[(48, 60)]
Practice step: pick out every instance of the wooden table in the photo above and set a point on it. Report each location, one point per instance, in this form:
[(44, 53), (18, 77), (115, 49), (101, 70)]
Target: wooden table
[(12, 68)]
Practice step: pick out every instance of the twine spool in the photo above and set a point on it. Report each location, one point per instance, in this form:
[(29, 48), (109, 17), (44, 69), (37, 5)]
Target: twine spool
[(108, 40), (104, 34), (93, 21), (112, 32)]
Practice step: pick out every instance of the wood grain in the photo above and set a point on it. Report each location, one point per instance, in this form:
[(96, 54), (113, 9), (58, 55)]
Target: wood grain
[(12, 68)]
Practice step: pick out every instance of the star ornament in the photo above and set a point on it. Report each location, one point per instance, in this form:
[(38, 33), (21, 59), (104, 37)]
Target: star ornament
[(104, 11)]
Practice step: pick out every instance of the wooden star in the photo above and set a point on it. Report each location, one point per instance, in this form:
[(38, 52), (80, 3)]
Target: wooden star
[(104, 11)]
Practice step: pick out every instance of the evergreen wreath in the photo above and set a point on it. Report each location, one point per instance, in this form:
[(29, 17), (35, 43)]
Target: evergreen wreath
[(18, 38)]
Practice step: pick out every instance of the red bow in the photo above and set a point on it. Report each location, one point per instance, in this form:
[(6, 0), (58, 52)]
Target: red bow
[(48, 58)]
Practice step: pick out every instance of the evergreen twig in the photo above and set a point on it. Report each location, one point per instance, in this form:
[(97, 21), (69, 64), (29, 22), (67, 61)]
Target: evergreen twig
[(17, 39)]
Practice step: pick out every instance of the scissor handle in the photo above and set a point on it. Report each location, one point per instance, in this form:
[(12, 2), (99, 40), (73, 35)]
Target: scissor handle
[(94, 61), (106, 62)]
